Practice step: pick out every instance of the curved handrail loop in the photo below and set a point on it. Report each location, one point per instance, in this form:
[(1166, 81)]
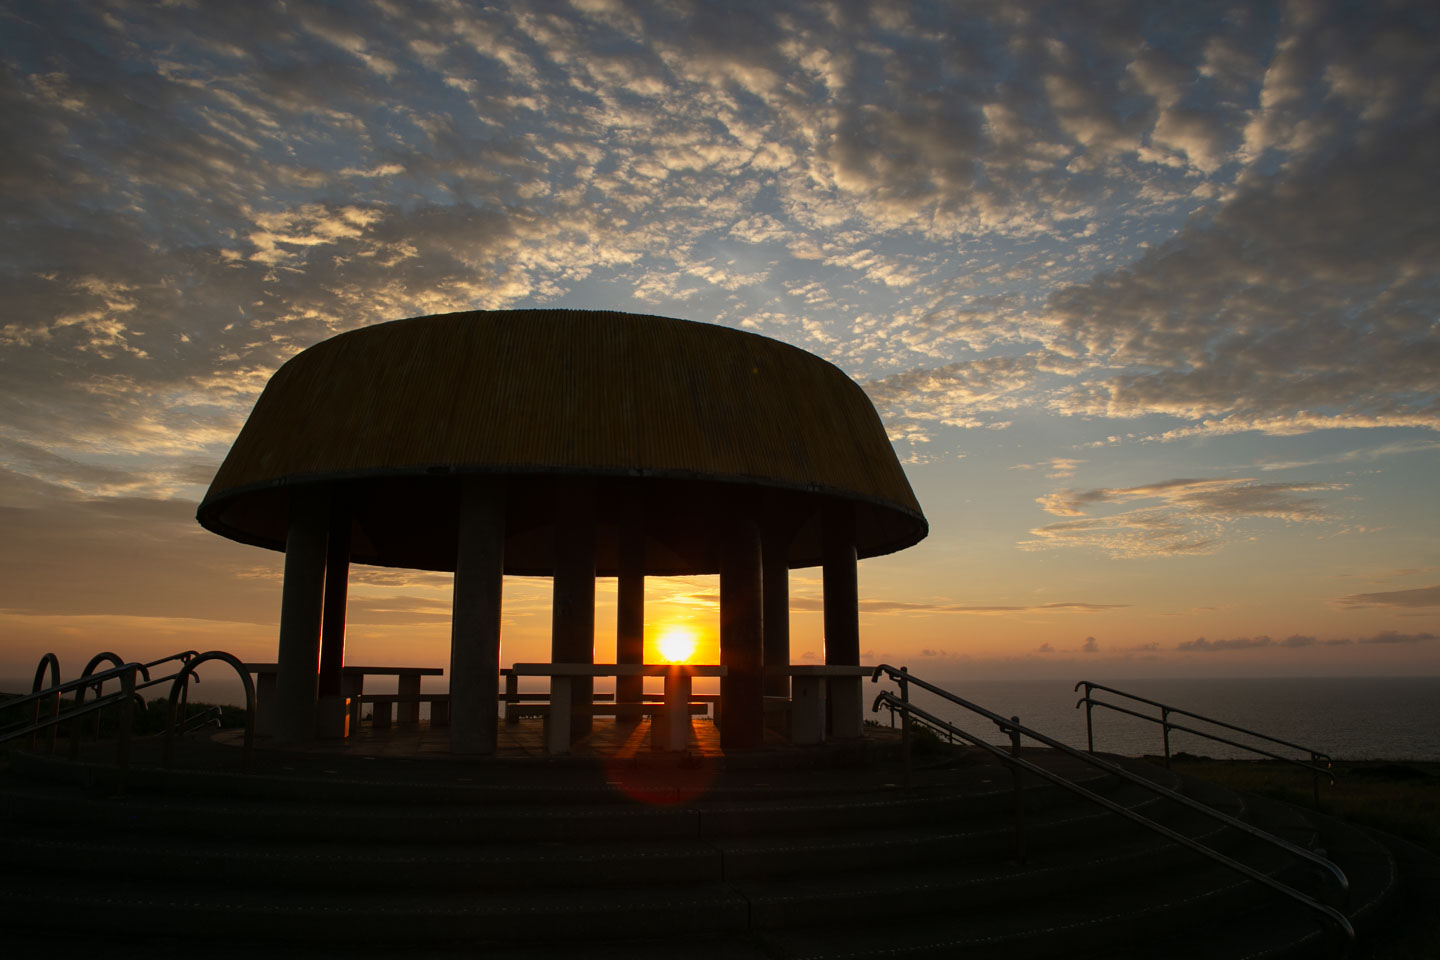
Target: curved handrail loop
[(51, 661), (184, 656), (177, 688), (98, 686)]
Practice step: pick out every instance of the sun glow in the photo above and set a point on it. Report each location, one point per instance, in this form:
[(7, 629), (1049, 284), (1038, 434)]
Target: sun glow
[(676, 644)]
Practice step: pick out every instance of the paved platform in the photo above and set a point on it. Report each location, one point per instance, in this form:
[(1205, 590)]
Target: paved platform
[(614, 761), (607, 738)]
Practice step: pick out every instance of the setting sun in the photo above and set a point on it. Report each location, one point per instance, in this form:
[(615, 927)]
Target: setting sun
[(676, 644)]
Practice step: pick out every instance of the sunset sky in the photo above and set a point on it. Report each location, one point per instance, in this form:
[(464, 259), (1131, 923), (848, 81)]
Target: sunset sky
[(1147, 295)]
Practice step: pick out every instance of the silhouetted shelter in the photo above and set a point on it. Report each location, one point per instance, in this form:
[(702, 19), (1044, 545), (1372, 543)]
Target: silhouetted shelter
[(571, 444)]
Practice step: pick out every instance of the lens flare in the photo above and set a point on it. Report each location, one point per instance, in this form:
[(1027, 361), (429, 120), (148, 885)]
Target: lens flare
[(676, 645)]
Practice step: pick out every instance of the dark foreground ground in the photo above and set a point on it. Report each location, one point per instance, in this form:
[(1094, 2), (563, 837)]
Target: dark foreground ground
[(1399, 797)]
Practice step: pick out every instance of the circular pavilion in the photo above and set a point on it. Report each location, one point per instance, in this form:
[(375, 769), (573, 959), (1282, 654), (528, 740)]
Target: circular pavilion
[(569, 444)]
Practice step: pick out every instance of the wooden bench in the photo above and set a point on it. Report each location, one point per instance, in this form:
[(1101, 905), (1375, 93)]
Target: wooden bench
[(670, 733), (381, 704), (514, 699), (520, 711)]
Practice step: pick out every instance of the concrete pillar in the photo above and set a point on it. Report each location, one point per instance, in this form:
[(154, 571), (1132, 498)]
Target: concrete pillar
[(776, 599), (300, 604), (742, 690), (630, 619), (475, 621), (572, 623), (337, 583), (408, 711), (331, 717), (671, 730), (842, 616)]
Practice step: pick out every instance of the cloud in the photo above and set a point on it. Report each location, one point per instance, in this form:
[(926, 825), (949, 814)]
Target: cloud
[(490, 156), (1235, 643), (956, 394), (1133, 534), (1189, 516), (1368, 454), (399, 609), (1418, 597), (1335, 335), (1390, 636), (1298, 642), (1091, 645), (1057, 468), (1224, 498), (799, 602)]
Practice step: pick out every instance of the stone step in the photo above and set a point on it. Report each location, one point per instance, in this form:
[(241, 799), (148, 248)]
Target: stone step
[(42, 802), (1081, 915), (43, 833), (745, 873), (586, 908), (189, 909)]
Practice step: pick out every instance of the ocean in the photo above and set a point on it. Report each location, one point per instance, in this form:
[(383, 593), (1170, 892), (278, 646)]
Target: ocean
[(1350, 718)]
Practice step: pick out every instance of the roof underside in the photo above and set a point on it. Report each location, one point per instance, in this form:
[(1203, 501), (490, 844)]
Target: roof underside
[(671, 425)]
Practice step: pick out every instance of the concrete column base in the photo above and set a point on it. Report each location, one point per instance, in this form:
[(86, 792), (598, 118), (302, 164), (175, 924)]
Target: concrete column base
[(332, 718), (408, 712), (807, 710), (671, 730), (557, 721), (512, 699), (265, 704), (847, 708), (351, 688)]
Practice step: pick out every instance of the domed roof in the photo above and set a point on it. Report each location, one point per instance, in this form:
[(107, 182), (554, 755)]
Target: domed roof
[(682, 424)]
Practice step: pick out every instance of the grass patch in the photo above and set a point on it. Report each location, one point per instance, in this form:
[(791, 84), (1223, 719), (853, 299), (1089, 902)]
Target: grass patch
[(1399, 797), (149, 721)]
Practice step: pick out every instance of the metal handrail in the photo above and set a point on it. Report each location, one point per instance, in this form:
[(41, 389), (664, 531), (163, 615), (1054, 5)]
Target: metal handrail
[(76, 733), (53, 662), (127, 672), (177, 690), (1015, 730), (69, 685), (1316, 771), (70, 713)]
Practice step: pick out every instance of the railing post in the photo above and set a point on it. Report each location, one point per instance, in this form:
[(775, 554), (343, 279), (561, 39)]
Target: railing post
[(95, 727), (74, 730), (1019, 791), (905, 723), (512, 699), (1089, 723), (51, 662), (124, 722), (1315, 780), (1165, 728)]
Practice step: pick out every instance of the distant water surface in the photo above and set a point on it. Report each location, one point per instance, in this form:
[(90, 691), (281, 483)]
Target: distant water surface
[(1351, 718)]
